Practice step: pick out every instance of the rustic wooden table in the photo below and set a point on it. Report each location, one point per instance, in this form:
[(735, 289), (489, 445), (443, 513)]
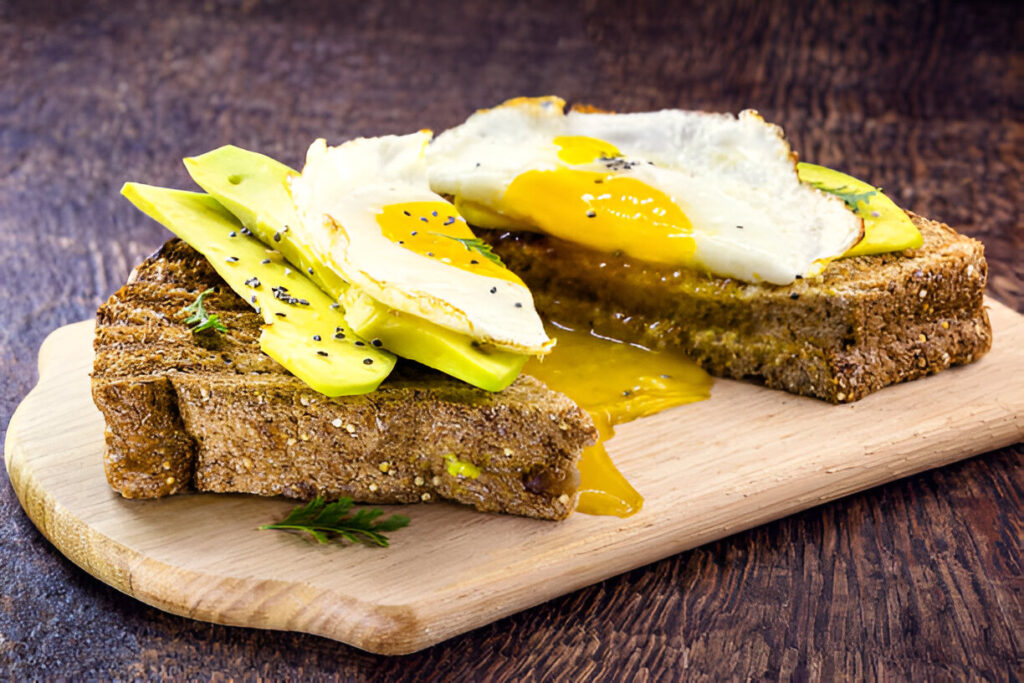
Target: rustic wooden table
[(920, 579)]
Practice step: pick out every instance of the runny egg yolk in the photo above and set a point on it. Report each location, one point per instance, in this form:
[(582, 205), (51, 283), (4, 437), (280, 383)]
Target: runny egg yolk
[(435, 230), (615, 383), (600, 209)]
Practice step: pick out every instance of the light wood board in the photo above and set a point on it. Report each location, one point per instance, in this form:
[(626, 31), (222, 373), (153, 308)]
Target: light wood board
[(747, 456)]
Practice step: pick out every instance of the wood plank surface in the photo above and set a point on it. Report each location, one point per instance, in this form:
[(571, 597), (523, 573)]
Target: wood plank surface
[(921, 579), (746, 456)]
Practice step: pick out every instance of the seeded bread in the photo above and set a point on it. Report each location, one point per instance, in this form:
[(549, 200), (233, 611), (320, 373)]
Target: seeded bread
[(211, 412), (864, 323)]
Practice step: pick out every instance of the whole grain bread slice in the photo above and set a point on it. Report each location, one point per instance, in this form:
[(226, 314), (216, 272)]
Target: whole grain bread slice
[(862, 324), (211, 412)]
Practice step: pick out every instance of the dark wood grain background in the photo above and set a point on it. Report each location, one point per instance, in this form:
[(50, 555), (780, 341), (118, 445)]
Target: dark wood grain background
[(920, 579)]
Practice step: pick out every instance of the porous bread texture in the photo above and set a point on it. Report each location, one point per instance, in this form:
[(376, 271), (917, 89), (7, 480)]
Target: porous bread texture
[(214, 413), (862, 324)]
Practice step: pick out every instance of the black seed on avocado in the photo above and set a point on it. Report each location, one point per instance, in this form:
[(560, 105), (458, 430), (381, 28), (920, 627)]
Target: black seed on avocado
[(434, 214), (321, 353), (339, 335), (591, 213), (377, 342), (359, 343), (316, 337), (253, 282), (367, 361), (413, 233), (232, 234), (473, 262), (424, 219), (279, 314), (232, 259), (407, 213), (265, 261), (335, 305), (310, 270)]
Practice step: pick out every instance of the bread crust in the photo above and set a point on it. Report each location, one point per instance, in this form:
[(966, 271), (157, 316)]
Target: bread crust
[(213, 413), (862, 324)]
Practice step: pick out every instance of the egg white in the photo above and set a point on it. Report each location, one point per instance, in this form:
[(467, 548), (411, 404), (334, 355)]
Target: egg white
[(734, 177), (339, 195)]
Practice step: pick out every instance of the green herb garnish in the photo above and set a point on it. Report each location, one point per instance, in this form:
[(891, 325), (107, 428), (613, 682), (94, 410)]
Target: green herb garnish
[(200, 320), (476, 244), (851, 197), (325, 521)]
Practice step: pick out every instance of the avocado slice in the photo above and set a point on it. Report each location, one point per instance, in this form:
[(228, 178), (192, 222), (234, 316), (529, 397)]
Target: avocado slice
[(305, 331), (887, 227), (254, 187), (491, 369)]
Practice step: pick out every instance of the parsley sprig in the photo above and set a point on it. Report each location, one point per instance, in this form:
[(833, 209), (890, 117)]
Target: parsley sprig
[(848, 195), (475, 244), (326, 521), (200, 320)]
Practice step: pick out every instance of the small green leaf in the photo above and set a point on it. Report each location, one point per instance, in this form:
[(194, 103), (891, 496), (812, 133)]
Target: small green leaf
[(476, 244), (200, 320), (848, 195), (326, 521)]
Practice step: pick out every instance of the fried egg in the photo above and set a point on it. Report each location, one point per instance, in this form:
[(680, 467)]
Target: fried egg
[(366, 209), (710, 191)]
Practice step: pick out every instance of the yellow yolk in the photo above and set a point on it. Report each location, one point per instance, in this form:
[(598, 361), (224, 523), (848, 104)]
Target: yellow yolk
[(434, 229), (615, 383), (580, 149), (602, 211)]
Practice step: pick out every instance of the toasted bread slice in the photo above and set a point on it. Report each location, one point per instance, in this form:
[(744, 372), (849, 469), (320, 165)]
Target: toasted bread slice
[(864, 323), (213, 413)]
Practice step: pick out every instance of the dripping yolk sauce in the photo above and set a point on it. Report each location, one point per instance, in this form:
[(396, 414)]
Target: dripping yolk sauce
[(615, 382)]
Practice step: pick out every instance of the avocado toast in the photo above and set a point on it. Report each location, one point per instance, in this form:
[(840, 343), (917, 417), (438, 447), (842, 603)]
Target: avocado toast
[(215, 413)]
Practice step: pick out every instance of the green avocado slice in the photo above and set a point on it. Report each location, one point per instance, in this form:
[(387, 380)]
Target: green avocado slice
[(254, 188), (304, 331), (887, 227), (456, 354)]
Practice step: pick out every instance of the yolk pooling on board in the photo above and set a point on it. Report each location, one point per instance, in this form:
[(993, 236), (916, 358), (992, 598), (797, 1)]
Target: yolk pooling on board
[(615, 382), (435, 230), (601, 209)]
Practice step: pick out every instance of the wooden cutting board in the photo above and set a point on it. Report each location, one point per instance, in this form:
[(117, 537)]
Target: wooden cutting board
[(747, 456)]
